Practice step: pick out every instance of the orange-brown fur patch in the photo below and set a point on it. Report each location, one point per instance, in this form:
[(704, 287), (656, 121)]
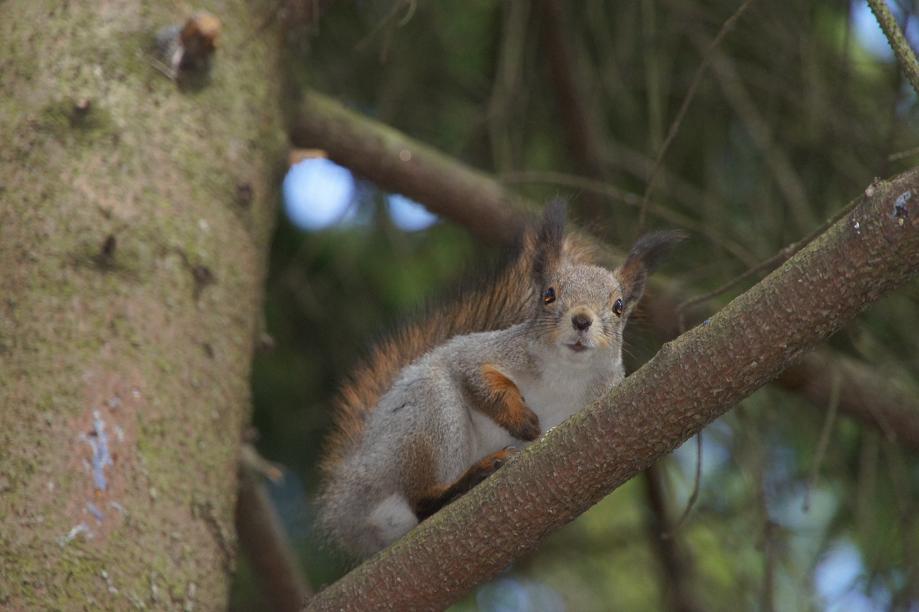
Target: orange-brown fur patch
[(508, 402)]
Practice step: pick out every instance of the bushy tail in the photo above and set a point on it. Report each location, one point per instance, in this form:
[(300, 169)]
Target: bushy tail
[(504, 301)]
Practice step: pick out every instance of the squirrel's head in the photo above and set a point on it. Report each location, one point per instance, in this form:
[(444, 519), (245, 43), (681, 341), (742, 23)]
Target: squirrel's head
[(583, 308)]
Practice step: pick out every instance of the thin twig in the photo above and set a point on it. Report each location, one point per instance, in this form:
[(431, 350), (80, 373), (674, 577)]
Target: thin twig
[(390, 16), (761, 131), (866, 483), (675, 568), (579, 124), (908, 62), (507, 86), (769, 549), (899, 473), (822, 442), (864, 395), (767, 265), (696, 485), (630, 199), (652, 65), (753, 445), (903, 154), (687, 100)]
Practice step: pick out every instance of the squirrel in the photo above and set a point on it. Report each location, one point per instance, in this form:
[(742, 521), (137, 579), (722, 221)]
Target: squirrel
[(446, 402)]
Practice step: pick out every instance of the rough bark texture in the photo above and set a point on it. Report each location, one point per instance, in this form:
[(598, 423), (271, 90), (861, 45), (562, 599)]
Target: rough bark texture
[(689, 383), (475, 200), (134, 216)]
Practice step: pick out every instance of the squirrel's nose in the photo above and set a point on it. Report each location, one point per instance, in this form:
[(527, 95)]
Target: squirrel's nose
[(581, 321)]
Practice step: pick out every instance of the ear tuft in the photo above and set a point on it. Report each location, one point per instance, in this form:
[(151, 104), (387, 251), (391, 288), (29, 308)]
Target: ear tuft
[(651, 248), (643, 258), (549, 241)]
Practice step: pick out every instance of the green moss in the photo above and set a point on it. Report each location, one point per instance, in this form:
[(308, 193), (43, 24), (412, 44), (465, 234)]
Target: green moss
[(109, 246)]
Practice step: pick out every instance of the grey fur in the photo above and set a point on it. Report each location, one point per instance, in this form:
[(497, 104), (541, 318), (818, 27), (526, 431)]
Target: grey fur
[(431, 405)]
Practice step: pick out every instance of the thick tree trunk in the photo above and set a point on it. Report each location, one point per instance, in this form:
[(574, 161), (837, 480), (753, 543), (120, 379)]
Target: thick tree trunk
[(134, 216)]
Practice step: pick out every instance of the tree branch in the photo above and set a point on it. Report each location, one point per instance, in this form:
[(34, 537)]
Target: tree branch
[(862, 395), (394, 161), (865, 396), (905, 56), (665, 544), (689, 383), (266, 545), (469, 197)]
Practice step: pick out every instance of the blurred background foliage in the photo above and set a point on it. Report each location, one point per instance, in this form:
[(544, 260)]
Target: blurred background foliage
[(800, 107)]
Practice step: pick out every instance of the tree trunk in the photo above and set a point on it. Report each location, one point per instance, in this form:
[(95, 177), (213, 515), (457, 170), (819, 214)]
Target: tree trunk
[(134, 217)]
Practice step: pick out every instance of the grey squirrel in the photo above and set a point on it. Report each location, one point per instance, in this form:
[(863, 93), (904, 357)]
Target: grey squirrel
[(443, 404)]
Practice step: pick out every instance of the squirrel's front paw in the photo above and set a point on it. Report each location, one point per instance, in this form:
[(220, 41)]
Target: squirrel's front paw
[(491, 463), (524, 425)]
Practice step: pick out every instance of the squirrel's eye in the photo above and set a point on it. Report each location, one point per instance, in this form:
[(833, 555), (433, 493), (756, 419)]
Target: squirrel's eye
[(618, 307), (548, 296)]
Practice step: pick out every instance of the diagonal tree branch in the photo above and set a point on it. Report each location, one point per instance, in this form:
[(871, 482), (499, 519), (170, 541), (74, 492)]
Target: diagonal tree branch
[(908, 62), (448, 187), (865, 395), (689, 383), (394, 161)]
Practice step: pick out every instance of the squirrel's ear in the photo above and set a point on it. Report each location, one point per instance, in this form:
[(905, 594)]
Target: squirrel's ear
[(646, 253), (549, 238)]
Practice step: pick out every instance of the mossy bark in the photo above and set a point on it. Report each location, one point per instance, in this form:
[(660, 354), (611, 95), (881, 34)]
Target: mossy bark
[(134, 219)]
